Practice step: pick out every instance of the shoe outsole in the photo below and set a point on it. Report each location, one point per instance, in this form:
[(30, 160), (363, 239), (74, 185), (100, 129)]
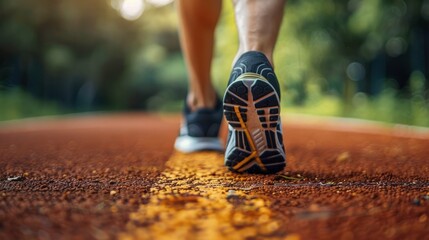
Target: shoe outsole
[(188, 144), (252, 110)]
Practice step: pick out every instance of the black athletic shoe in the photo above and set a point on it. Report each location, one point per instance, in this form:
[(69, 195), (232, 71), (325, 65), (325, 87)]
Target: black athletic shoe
[(200, 130), (252, 110)]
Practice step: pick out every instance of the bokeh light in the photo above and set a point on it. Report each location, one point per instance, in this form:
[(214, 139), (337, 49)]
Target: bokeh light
[(159, 3), (129, 9)]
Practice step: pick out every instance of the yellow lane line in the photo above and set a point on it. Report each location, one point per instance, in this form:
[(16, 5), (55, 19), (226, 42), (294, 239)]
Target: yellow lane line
[(195, 198)]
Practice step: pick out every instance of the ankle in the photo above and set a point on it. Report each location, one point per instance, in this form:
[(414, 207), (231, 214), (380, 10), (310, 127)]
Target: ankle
[(199, 101), (267, 53)]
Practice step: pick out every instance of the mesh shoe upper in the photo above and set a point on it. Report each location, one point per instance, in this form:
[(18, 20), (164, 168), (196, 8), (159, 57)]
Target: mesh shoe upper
[(255, 62), (200, 130), (203, 122)]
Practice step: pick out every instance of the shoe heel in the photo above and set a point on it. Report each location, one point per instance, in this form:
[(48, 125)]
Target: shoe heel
[(251, 108)]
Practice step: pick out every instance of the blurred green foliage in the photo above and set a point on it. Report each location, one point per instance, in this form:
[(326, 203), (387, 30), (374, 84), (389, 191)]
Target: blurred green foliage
[(356, 58), (17, 104)]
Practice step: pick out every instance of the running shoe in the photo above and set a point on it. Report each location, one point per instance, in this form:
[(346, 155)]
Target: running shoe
[(252, 109), (200, 130)]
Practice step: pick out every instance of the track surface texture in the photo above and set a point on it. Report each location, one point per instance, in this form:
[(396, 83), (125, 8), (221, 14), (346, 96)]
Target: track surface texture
[(117, 177)]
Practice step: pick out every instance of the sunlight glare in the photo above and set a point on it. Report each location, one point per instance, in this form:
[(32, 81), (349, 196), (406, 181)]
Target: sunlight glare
[(159, 3), (131, 9)]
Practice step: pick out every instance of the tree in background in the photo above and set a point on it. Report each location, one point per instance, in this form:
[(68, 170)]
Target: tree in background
[(360, 58), (354, 50)]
